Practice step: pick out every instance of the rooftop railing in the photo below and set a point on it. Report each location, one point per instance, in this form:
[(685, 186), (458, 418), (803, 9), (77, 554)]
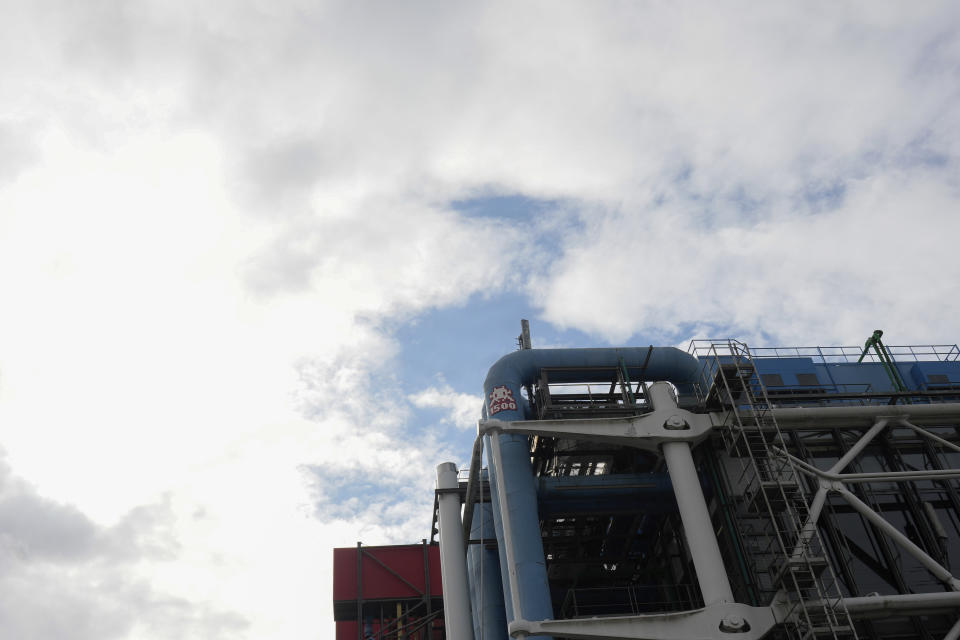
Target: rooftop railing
[(823, 355)]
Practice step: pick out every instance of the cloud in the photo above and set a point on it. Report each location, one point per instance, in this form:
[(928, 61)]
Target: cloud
[(802, 278), (211, 214), (462, 409), (63, 575)]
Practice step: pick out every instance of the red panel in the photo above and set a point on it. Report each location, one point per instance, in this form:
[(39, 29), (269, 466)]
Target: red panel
[(378, 582), (347, 630)]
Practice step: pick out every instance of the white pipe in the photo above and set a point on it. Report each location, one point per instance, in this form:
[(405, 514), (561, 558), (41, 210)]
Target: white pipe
[(858, 446), (697, 527), (932, 436), (878, 606), (954, 633), (453, 565), (810, 526), (863, 416)]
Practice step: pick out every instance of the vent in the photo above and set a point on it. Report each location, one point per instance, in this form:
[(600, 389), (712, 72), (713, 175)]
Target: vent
[(772, 379), (938, 378), (808, 379)]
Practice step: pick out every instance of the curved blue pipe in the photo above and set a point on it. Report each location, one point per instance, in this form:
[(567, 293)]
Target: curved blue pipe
[(502, 400), (520, 368)]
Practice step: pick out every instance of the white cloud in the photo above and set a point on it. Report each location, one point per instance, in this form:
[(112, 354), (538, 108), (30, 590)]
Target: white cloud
[(208, 213), (874, 259), (462, 408)]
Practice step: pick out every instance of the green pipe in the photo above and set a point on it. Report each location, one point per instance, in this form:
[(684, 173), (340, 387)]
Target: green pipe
[(626, 381), (889, 366)]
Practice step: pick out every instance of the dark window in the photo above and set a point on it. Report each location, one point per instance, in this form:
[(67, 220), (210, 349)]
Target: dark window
[(938, 378), (808, 379), (772, 379)]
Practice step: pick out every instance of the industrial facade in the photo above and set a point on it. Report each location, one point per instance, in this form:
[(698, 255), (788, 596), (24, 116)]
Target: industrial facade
[(721, 492)]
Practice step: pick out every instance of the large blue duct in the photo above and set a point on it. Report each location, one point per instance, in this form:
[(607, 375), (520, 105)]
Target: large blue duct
[(502, 400), (606, 494)]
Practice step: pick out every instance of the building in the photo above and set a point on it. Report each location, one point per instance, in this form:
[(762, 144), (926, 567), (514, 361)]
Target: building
[(722, 492), (388, 592)]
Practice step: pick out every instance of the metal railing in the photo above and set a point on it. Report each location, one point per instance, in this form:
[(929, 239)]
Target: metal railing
[(629, 600), (824, 355)]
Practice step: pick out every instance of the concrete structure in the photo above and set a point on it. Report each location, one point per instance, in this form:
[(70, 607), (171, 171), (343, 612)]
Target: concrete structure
[(719, 493)]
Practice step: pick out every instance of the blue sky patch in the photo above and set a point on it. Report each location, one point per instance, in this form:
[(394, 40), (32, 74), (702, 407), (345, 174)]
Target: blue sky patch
[(511, 207)]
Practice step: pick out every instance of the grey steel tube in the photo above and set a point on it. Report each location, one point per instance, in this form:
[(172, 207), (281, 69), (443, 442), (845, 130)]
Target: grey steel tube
[(697, 527), (865, 416), (904, 604), (932, 565), (453, 565)]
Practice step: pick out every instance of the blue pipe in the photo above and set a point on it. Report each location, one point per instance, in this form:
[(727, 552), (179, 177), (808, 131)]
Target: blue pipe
[(498, 530), (502, 400), (605, 494), (519, 368), (483, 572)]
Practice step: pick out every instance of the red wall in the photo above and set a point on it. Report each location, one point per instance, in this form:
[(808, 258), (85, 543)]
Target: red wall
[(406, 560)]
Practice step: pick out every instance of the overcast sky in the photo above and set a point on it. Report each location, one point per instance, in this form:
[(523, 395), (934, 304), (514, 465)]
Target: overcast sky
[(256, 257)]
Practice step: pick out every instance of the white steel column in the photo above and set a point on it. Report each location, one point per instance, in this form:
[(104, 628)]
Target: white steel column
[(697, 527), (453, 565)]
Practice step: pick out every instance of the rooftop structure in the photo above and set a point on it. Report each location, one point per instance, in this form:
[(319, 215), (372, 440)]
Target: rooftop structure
[(723, 492)]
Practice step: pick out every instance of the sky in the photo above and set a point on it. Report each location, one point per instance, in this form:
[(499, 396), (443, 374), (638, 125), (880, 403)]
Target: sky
[(256, 257)]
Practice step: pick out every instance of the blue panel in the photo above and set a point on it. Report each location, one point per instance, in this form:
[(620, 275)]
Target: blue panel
[(920, 373), (789, 369), (856, 377)]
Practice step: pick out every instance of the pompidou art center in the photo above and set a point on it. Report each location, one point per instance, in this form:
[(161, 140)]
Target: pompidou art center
[(722, 492)]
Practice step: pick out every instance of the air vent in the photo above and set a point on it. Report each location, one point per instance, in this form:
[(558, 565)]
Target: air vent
[(808, 379), (772, 379)]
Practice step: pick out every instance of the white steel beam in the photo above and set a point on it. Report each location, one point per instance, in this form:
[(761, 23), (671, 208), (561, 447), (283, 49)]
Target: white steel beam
[(908, 545), (908, 604), (731, 620), (858, 417)]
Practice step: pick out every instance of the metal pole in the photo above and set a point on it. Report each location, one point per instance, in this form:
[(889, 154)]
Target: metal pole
[(453, 566), (932, 565), (697, 526), (359, 591), (810, 526), (859, 445), (954, 633)]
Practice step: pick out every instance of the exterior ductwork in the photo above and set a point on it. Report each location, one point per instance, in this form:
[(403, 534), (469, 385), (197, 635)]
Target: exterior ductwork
[(483, 569), (515, 510)]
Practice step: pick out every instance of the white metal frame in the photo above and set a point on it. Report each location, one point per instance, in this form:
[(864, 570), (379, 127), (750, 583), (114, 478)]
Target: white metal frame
[(674, 430)]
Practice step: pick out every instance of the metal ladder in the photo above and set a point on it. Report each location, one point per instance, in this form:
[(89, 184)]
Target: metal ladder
[(772, 502)]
